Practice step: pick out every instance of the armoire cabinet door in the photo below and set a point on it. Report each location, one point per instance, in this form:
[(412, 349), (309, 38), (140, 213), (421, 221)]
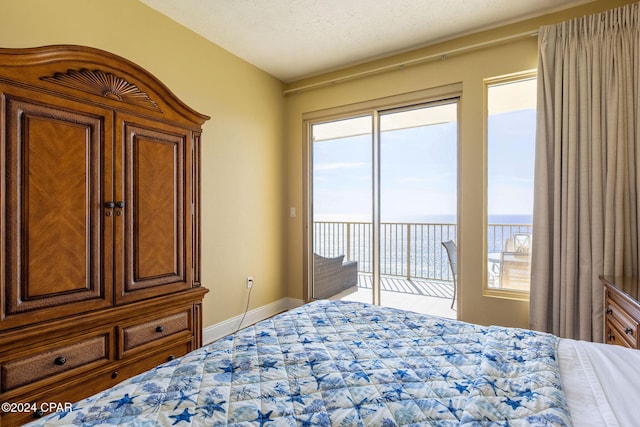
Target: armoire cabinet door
[(53, 229), (152, 238)]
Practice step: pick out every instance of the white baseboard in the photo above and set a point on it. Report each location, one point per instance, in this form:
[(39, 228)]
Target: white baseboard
[(219, 330)]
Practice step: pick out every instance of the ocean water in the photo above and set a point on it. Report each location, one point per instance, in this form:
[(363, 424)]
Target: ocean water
[(429, 219), (409, 246), (451, 219)]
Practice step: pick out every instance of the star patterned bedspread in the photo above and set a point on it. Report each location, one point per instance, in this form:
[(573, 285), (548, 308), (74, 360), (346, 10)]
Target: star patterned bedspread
[(333, 363)]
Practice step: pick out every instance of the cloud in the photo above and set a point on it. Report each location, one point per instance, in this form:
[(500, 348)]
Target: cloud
[(434, 178), (335, 166)]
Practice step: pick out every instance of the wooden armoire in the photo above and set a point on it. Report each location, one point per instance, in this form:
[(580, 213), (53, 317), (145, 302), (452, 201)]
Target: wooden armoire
[(100, 254)]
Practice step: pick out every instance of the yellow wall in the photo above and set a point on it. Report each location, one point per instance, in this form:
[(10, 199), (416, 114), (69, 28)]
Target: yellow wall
[(242, 167), (252, 158), (469, 69)]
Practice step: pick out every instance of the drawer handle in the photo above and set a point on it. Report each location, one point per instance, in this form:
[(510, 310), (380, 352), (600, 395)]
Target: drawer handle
[(609, 311), (38, 413), (170, 358), (60, 360), (628, 331), (114, 375), (611, 337), (160, 329)]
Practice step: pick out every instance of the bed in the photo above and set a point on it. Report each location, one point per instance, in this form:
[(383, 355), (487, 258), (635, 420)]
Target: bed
[(335, 363)]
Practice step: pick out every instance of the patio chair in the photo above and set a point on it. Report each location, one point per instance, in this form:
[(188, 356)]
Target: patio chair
[(452, 254), (332, 276), (516, 261), (521, 243)]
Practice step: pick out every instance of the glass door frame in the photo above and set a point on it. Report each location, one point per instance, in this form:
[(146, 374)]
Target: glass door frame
[(374, 108)]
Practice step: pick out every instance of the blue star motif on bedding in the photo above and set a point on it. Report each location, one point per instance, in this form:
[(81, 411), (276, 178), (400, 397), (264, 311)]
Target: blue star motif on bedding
[(125, 400), (263, 418), (183, 397), (515, 404), (184, 416), (268, 364), (211, 407)]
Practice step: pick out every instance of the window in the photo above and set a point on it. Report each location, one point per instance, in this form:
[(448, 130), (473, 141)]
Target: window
[(511, 119)]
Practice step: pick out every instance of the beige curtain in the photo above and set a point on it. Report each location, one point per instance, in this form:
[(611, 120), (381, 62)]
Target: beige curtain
[(586, 207)]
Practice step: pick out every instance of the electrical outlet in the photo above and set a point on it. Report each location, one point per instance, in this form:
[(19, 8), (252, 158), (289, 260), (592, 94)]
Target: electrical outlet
[(249, 282)]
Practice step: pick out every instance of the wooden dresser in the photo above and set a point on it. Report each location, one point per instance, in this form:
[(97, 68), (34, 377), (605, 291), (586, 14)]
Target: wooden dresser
[(622, 310), (100, 254)]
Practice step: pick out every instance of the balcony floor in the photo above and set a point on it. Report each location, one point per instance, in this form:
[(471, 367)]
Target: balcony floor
[(418, 295)]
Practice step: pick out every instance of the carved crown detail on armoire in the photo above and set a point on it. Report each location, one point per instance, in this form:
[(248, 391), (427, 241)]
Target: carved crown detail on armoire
[(100, 254)]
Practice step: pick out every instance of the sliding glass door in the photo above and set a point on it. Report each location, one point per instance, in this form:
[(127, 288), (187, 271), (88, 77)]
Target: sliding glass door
[(418, 206), (383, 199)]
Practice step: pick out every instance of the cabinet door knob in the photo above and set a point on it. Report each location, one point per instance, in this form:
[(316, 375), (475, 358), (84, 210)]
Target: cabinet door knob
[(628, 331), (109, 205), (120, 204), (611, 337), (159, 329), (60, 360), (609, 311)]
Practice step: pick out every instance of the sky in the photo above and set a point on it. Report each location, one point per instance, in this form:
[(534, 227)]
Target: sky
[(418, 167)]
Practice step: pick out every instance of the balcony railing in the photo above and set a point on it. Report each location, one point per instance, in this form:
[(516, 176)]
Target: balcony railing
[(411, 250)]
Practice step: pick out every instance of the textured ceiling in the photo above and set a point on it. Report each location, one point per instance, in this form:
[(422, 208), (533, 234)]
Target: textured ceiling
[(292, 39)]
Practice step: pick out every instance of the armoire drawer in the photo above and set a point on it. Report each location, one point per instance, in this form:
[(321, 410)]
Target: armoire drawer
[(151, 360), (85, 386), (74, 356), (148, 331)]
